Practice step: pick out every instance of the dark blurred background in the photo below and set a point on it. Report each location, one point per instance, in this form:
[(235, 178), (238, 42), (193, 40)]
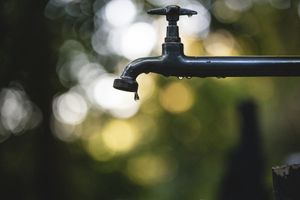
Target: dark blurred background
[(65, 133)]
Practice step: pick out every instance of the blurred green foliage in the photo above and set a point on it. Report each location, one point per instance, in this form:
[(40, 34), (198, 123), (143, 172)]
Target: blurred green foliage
[(63, 145)]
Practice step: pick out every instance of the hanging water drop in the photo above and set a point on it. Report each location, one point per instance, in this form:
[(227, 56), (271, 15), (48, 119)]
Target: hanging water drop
[(136, 96), (180, 77)]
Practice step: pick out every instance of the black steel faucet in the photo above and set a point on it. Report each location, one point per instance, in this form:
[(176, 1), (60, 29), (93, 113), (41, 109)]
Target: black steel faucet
[(173, 62)]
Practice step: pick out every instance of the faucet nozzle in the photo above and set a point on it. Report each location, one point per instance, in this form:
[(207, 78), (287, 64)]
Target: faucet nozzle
[(126, 84)]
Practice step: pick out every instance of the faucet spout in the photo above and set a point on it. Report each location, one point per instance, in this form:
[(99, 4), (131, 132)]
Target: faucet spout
[(127, 81), (168, 64)]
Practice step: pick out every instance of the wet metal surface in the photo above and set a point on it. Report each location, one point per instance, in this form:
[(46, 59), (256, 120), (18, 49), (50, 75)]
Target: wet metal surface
[(173, 62)]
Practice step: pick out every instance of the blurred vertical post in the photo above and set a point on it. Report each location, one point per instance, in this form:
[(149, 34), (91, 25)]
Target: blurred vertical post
[(243, 178), (286, 182), (41, 85), (31, 61)]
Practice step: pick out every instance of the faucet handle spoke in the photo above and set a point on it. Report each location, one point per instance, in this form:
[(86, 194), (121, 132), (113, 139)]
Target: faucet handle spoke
[(172, 12), (157, 11), (188, 12)]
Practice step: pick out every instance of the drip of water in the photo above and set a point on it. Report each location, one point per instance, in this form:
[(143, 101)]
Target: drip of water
[(180, 77), (136, 96)]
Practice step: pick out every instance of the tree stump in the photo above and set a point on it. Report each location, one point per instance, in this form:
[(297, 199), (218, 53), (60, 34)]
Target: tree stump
[(286, 182)]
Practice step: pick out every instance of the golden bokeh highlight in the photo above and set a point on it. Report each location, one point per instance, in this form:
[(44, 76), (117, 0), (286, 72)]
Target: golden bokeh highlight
[(221, 43), (119, 136), (146, 90), (97, 149), (149, 169), (177, 97), (192, 46)]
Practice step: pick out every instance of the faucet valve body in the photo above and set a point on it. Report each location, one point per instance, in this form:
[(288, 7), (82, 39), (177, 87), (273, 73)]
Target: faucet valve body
[(172, 14)]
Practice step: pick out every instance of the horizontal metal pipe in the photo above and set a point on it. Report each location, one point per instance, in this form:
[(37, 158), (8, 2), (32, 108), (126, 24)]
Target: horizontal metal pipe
[(238, 66)]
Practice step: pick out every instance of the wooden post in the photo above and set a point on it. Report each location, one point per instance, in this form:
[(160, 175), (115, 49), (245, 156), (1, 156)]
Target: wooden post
[(286, 182)]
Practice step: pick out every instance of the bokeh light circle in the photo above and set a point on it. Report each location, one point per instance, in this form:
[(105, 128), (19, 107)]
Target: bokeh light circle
[(70, 108), (120, 12)]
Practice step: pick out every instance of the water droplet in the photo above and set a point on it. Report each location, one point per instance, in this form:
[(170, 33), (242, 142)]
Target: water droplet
[(188, 77), (180, 77), (136, 96)]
